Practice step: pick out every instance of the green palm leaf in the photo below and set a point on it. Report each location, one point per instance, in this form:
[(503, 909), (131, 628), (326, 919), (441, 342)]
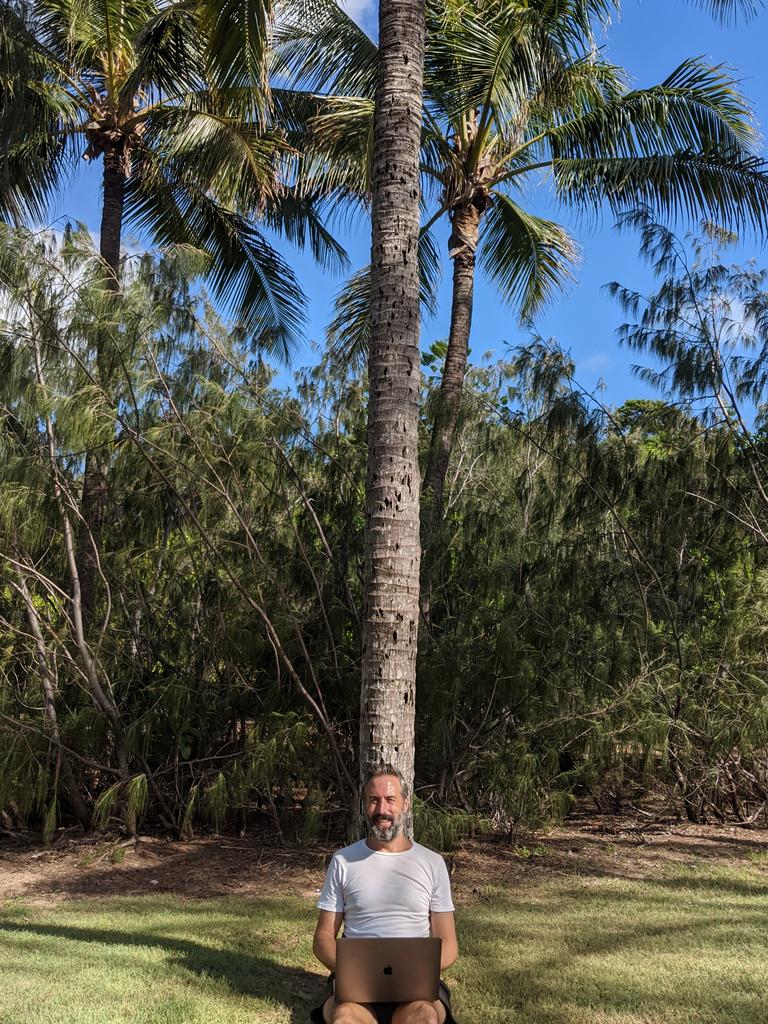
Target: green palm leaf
[(233, 158), (730, 189), (245, 271), (531, 260), (695, 108), (299, 218), (318, 47), (236, 33), (167, 59)]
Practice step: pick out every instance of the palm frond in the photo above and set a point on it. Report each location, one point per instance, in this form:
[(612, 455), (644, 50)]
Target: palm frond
[(318, 47), (234, 159), (349, 332), (167, 59), (531, 260), (340, 145), (696, 108), (236, 34), (245, 271), (730, 189), (729, 12), (299, 219), (36, 115), (497, 56)]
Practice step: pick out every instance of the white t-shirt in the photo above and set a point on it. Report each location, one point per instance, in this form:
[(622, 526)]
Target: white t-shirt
[(386, 895)]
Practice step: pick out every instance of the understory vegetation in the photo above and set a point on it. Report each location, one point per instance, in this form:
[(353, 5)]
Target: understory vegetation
[(595, 596)]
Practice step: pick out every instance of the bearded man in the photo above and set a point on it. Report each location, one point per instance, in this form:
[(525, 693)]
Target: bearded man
[(385, 886)]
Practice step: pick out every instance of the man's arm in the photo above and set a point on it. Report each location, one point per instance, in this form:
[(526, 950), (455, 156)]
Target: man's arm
[(442, 924), (324, 942)]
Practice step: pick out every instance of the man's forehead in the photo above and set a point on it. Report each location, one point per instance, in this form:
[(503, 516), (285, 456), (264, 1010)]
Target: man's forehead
[(384, 785)]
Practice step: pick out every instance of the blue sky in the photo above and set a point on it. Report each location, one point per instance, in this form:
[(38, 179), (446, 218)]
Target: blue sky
[(649, 39)]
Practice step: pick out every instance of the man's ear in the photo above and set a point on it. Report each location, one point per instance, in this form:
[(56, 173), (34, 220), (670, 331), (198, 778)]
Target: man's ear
[(407, 803)]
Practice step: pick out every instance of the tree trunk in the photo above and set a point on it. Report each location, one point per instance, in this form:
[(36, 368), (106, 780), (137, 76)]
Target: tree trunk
[(112, 211), (47, 682), (392, 549), (94, 499), (461, 245)]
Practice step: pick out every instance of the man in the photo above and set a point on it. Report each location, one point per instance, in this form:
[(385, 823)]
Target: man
[(386, 886)]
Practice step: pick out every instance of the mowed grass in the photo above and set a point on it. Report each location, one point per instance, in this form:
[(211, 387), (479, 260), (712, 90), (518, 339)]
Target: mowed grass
[(689, 946)]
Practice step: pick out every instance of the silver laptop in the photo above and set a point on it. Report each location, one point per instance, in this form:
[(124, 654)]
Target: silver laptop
[(387, 970)]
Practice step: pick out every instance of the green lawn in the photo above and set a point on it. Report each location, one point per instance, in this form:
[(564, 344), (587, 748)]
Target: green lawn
[(689, 947)]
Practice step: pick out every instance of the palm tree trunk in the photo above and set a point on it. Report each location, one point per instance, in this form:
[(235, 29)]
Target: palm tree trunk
[(94, 500), (112, 212), (392, 549), (462, 245)]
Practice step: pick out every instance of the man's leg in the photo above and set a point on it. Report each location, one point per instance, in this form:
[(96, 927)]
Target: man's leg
[(347, 1013), (420, 1012)]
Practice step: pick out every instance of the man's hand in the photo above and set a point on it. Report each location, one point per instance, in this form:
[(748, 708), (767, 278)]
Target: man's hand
[(324, 942), (443, 925)]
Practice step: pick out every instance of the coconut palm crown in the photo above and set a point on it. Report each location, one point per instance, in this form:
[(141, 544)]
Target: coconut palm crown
[(516, 94), (173, 98)]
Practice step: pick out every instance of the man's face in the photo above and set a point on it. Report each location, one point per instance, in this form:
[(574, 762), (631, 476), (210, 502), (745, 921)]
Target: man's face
[(385, 807)]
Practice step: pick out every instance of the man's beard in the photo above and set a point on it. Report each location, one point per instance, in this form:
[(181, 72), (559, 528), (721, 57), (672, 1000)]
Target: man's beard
[(385, 827)]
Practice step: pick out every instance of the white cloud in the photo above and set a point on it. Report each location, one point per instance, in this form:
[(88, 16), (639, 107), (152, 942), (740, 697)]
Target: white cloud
[(597, 361)]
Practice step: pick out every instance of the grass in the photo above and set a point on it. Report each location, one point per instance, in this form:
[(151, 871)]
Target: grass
[(688, 947)]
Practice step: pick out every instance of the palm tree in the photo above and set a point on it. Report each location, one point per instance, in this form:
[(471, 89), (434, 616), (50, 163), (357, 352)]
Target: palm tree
[(174, 99), (516, 93), (392, 551)]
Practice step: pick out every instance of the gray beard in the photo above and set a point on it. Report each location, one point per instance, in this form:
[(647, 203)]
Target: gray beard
[(385, 834)]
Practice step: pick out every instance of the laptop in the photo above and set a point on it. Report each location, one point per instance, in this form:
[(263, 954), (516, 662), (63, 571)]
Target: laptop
[(387, 970)]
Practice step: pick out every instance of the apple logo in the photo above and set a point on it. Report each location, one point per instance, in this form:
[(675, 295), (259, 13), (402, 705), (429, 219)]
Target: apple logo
[(388, 970)]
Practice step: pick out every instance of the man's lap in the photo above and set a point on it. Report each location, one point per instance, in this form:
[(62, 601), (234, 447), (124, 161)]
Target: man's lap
[(385, 1013)]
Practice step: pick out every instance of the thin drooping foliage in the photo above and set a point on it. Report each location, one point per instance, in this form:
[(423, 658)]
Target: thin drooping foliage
[(600, 624)]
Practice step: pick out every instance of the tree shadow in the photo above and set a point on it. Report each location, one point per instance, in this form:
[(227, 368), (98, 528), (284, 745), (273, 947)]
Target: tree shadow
[(627, 963), (244, 973)]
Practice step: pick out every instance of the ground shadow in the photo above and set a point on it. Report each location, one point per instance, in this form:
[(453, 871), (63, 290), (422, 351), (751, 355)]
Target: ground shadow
[(246, 974), (610, 963), (199, 869)]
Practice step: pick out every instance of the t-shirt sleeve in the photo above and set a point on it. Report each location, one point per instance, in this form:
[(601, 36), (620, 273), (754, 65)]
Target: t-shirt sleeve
[(332, 894), (441, 888)]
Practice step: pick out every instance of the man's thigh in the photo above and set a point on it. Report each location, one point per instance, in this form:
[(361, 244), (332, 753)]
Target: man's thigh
[(347, 1013)]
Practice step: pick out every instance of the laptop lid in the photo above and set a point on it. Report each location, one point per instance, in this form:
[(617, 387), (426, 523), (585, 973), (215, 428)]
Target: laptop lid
[(387, 970)]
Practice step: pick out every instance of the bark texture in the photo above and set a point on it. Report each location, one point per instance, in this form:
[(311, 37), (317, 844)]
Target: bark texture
[(392, 550), (115, 173)]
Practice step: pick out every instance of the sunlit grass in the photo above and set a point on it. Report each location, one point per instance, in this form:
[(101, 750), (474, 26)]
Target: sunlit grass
[(687, 947)]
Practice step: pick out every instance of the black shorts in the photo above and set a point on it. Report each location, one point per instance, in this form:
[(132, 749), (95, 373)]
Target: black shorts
[(384, 1011)]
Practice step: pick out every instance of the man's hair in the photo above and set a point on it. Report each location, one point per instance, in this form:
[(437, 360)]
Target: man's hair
[(387, 769)]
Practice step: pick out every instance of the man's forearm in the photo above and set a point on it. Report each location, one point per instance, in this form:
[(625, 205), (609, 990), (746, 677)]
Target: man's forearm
[(448, 954), (324, 948)]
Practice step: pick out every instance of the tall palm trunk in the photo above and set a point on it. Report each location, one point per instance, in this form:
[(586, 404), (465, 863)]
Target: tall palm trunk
[(96, 463), (114, 203), (462, 245), (392, 550)]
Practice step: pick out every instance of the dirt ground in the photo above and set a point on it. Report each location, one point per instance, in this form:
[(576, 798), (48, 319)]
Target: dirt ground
[(215, 866)]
